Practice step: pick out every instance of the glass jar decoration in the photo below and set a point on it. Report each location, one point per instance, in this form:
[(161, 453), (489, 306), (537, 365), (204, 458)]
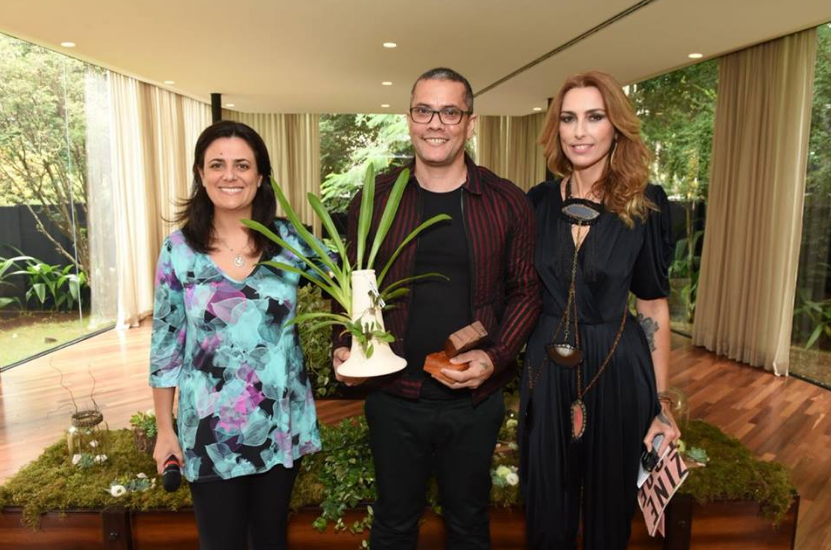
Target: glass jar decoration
[(87, 438), (679, 406)]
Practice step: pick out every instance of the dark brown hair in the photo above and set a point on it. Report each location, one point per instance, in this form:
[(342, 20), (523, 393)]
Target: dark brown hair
[(195, 215)]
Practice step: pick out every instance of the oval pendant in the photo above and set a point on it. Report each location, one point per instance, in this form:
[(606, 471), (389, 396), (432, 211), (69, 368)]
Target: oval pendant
[(564, 355), (578, 419), (581, 211), (239, 261)]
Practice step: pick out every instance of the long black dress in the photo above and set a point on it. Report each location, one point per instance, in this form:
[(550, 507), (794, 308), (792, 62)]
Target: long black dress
[(601, 467)]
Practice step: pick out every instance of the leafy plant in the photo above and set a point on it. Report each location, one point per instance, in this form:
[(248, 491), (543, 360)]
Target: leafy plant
[(144, 421), (686, 265), (5, 265), (819, 312), (336, 278), (347, 474), (43, 153), (316, 345), (358, 141), (677, 112), (53, 282)]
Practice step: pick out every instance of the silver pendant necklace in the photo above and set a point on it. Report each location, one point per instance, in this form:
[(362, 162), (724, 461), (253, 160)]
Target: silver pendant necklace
[(239, 260)]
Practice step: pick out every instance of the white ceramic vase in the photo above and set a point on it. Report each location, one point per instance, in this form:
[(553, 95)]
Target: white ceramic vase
[(383, 360)]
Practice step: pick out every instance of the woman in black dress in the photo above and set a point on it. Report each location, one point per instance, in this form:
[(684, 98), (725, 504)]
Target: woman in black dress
[(594, 373)]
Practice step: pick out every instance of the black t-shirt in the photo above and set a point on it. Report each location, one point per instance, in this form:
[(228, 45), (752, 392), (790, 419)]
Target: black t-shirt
[(439, 307)]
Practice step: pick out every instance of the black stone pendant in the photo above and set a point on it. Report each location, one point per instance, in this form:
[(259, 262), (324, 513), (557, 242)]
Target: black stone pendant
[(564, 355), (581, 211)]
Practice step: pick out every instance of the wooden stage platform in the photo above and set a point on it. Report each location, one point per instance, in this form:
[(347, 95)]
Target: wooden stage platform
[(778, 418)]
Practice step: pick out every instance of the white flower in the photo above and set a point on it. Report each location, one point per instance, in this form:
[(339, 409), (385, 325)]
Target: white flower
[(117, 490), (502, 471), (141, 475), (72, 429), (153, 482), (76, 458), (100, 459), (512, 478), (150, 412), (93, 444)]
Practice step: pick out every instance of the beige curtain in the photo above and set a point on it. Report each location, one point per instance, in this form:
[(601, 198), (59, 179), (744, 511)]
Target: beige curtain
[(754, 218), (293, 143), (153, 135), (507, 145)]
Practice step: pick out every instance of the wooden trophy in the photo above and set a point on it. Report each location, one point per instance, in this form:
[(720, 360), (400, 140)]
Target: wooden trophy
[(464, 339)]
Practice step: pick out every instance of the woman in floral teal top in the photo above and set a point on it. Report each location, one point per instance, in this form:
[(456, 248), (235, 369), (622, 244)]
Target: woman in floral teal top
[(246, 413)]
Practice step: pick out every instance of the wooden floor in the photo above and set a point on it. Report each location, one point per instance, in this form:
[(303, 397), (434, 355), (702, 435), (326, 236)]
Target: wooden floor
[(782, 419)]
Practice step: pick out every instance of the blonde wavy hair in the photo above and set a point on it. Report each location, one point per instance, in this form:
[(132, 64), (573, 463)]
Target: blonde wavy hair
[(623, 183)]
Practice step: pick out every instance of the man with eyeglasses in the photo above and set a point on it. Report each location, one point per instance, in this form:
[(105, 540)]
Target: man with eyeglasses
[(421, 425)]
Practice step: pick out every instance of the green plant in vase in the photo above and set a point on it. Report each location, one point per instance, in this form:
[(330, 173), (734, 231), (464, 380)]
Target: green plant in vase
[(354, 286)]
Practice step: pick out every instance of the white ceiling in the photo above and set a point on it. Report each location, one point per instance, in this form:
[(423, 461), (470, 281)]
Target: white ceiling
[(327, 55)]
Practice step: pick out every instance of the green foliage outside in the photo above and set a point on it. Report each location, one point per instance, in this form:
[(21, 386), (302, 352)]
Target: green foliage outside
[(677, 111), (52, 285), (812, 312), (349, 144), (340, 135), (8, 269), (819, 157), (42, 99)]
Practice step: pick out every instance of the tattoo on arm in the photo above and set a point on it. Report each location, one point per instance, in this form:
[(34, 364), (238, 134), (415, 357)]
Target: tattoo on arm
[(650, 327), (663, 418)]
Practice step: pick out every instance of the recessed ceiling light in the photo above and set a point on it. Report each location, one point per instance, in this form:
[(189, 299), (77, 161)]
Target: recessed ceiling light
[(68, 44), (390, 45), (537, 108), (695, 55), (385, 105), (170, 82), (230, 105), (386, 83)]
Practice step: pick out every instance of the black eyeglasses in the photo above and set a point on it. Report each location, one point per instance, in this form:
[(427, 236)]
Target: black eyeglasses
[(449, 115)]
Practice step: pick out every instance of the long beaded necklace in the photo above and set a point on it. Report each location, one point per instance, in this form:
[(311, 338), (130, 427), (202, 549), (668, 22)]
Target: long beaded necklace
[(579, 212)]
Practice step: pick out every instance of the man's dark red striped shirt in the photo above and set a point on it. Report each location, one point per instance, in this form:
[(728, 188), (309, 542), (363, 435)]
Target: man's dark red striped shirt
[(505, 290)]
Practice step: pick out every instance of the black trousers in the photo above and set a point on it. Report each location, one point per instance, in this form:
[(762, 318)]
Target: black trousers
[(411, 440), (251, 508)]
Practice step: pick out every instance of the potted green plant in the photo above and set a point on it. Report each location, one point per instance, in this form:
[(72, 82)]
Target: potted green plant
[(144, 430), (353, 286)]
